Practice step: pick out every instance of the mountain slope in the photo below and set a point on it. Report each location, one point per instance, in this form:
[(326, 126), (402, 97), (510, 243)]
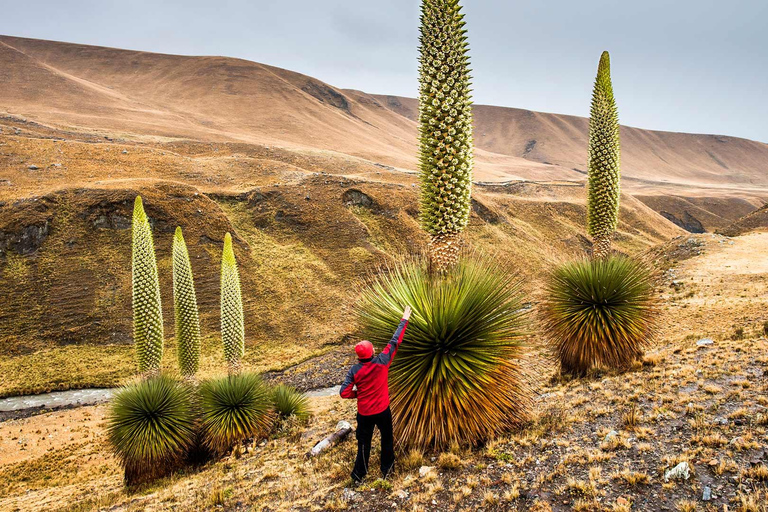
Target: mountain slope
[(225, 99)]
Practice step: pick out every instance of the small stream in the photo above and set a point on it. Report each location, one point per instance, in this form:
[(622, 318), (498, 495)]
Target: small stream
[(80, 397), (56, 399)]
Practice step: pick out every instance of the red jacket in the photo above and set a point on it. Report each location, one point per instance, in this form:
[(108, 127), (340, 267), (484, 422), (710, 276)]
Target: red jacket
[(370, 376)]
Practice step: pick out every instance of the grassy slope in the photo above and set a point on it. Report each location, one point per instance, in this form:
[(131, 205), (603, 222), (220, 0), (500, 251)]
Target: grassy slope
[(302, 240)]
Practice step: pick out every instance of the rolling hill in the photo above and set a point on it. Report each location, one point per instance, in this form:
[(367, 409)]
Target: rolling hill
[(316, 183), (223, 99)]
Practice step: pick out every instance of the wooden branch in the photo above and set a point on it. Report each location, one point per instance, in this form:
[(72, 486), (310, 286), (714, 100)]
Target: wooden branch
[(343, 429)]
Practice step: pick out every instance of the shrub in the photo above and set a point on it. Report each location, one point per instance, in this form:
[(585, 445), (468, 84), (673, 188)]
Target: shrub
[(234, 408), (600, 312), (445, 128), (185, 309), (150, 426), (456, 376), (289, 402), (147, 310), (232, 325)]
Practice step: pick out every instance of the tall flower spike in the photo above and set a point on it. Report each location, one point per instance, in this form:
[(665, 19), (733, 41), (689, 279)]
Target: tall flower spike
[(232, 330), (445, 129), (604, 175), (185, 309), (147, 309)]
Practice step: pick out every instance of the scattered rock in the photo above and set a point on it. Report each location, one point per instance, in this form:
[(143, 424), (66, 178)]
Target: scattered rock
[(680, 472), (354, 197), (348, 494), (610, 436), (707, 494), (125, 151), (704, 342), (425, 470), (33, 167), (27, 241)]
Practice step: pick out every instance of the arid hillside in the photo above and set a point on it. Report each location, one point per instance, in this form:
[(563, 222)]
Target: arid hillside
[(317, 185), (124, 92)]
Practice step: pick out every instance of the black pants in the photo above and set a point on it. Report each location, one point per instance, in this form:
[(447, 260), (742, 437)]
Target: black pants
[(364, 434)]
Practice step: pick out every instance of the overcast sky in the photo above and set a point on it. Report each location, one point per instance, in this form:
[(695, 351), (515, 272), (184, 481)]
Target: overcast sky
[(680, 65)]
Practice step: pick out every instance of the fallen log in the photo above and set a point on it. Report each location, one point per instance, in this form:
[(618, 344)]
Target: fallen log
[(343, 429)]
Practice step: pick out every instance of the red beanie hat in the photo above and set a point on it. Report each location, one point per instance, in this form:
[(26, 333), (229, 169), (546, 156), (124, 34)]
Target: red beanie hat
[(364, 349)]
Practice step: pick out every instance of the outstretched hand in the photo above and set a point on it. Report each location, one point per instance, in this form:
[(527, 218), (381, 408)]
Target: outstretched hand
[(407, 313)]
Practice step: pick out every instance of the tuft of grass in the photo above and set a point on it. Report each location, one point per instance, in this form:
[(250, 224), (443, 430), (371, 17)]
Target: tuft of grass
[(633, 478), (150, 426), (758, 473), (457, 376), (686, 506), (631, 417), (290, 403), (235, 408), (448, 460), (600, 312)]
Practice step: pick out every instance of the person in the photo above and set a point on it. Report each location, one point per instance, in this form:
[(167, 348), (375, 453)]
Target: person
[(367, 382)]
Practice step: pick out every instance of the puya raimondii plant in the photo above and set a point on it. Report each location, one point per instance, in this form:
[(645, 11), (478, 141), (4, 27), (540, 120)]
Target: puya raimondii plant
[(445, 129), (232, 324), (185, 309), (604, 165), (458, 377), (147, 309)]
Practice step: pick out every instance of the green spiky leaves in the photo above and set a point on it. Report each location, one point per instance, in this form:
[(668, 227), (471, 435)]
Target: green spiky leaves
[(445, 119), (185, 309), (600, 312), (147, 310), (150, 426), (289, 402), (235, 408), (604, 175), (232, 328), (457, 376)]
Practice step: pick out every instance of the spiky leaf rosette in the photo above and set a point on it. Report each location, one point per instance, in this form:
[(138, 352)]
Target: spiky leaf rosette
[(147, 310), (600, 312), (289, 402), (235, 408), (457, 375), (445, 128), (232, 330), (185, 308), (150, 425), (604, 165)]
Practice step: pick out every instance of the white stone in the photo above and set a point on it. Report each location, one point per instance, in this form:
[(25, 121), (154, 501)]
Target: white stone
[(680, 472)]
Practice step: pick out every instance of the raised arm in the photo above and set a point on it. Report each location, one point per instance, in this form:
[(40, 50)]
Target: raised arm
[(388, 354), (347, 389)]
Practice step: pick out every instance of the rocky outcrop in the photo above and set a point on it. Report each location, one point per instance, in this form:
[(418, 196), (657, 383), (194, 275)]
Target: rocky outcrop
[(688, 222)]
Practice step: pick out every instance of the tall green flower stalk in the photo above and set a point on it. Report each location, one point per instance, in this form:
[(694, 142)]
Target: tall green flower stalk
[(604, 175), (232, 329), (185, 309), (445, 129), (147, 310)]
